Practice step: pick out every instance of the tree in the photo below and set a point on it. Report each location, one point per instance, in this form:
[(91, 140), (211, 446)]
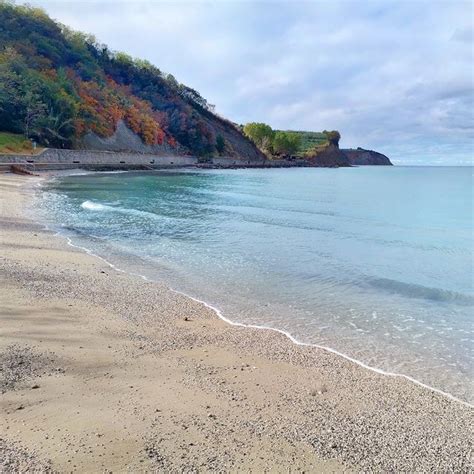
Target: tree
[(333, 136), (193, 95), (38, 104), (260, 133), (34, 111), (220, 144), (286, 143), (172, 81), (11, 100)]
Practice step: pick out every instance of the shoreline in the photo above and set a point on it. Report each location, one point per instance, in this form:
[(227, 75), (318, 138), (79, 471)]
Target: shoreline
[(221, 316), (287, 334), (309, 404)]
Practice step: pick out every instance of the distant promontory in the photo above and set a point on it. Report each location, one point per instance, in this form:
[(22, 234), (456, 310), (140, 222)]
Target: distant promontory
[(361, 157), (319, 149)]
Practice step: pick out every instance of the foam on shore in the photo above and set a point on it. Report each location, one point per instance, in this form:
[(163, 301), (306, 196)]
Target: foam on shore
[(218, 312)]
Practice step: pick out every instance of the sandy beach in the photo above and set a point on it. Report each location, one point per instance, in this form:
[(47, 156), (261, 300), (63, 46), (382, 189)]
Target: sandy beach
[(103, 371)]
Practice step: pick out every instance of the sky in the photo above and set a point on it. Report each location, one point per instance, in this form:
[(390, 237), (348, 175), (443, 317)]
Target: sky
[(393, 76)]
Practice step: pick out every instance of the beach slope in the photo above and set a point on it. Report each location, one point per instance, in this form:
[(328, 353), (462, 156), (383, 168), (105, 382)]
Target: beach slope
[(101, 370)]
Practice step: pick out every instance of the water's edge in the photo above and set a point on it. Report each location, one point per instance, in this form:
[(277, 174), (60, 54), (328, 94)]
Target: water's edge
[(221, 316)]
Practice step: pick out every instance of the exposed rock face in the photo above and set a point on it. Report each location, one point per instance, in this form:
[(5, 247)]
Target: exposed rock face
[(125, 140), (330, 157), (360, 157), (237, 146)]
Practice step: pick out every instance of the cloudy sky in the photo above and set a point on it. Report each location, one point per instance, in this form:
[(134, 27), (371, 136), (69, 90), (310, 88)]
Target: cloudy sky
[(392, 76)]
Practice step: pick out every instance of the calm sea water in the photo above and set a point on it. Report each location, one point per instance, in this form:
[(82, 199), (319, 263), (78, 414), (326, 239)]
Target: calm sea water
[(375, 262)]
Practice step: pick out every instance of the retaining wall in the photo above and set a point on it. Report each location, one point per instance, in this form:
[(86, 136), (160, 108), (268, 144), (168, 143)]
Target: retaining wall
[(55, 159), (85, 157)]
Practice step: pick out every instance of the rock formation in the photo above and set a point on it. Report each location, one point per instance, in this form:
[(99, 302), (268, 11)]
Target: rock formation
[(360, 157)]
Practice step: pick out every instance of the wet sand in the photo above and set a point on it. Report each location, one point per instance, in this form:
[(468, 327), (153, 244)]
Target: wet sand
[(101, 371)]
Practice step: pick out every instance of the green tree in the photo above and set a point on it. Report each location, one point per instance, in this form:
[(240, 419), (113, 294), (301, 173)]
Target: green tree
[(286, 143), (172, 81), (34, 112), (220, 144), (21, 105), (12, 85), (261, 134), (32, 103)]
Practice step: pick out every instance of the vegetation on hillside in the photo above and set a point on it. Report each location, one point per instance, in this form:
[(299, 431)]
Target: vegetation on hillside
[(276, 143), (261, 134), (14, 143), (57, 84), (272, 142), (309, 140)]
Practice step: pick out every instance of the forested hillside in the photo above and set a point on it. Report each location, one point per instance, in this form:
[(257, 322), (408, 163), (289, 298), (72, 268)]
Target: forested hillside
[(59, 85)]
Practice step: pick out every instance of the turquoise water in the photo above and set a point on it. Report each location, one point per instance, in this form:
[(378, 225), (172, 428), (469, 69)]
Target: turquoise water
[(375, 262)]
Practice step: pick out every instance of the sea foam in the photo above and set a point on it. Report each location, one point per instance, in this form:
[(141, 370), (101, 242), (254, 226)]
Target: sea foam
[(94, 206)]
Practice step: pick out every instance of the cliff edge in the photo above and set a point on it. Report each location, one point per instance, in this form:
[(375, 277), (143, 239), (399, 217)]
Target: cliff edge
[(329, 157), (361, 157)]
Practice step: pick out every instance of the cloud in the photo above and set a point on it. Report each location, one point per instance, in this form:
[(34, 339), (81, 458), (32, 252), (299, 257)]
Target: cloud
[(394, 76), (465, 35)]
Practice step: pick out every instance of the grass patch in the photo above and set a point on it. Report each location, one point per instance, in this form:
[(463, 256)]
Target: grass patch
[(16, 143), (310, 141)]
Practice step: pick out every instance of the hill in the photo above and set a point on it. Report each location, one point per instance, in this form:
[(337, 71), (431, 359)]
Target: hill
[(64, 89)]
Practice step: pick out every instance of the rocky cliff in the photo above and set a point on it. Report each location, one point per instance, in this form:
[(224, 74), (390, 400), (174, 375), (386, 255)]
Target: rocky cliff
[(328, 154), (361, 157), (124, 140), (330, 157)]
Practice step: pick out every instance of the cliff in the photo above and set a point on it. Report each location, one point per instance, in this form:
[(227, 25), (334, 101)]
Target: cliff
[(327, 154), (124, 139), (330, 157), (361, 157)]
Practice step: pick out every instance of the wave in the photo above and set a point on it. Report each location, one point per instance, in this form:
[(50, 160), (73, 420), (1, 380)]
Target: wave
[(95, 206), (412, 290)]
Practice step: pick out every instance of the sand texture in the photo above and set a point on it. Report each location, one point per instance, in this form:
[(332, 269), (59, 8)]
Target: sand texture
[(103, 371)]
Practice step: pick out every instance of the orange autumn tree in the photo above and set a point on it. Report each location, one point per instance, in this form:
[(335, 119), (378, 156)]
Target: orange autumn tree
[(104, 105), (140, 116), (100, 108)]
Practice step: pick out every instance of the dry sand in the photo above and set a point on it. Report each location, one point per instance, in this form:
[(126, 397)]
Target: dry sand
[(102, 371)]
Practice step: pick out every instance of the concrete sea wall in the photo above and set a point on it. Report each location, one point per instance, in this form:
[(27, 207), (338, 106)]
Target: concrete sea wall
[(63, 159), (54, 159)]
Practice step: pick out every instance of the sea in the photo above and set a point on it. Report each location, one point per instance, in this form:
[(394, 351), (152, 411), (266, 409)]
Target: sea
[(373, 263)]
